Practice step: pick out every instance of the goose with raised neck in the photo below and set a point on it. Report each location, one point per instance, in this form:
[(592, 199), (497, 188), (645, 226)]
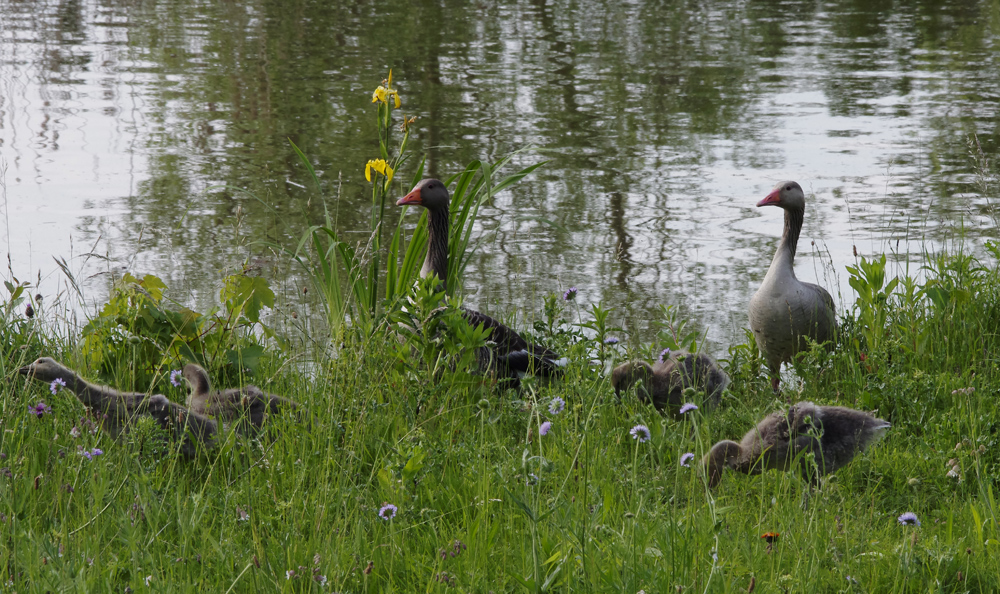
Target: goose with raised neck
[(785, 310), (663, 384), (832, 434), (249, 406), (510, 355), (117, 410)]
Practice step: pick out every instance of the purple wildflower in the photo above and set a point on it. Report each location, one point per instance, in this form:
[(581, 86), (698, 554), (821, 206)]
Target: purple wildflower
[(557, 405), (686, 459), (388, 511), (640, 433), (174, 375), (909, 519), (570, 294), (688, 407), (664, 355), (90, 455), (611, 340), (543, 429), (56, 384), (39, 409)]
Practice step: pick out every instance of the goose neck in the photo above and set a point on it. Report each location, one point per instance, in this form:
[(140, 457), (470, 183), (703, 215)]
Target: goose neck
[(436, 261)]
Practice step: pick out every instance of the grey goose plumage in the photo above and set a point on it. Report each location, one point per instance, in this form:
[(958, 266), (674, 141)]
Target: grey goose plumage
[(664, 383), (117, 410), (785, 310), (833, 434), (509, 355)]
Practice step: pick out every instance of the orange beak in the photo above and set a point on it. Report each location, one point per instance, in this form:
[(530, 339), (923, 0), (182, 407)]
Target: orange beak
[(771, 199), (412, 198)]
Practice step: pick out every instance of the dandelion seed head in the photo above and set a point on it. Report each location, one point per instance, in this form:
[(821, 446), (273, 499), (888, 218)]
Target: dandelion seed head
[(640, 433)]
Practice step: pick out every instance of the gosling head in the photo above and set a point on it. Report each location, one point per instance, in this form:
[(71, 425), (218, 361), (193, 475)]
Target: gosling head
[(626, 375), (197, 378), (46, 369), (724, 454)]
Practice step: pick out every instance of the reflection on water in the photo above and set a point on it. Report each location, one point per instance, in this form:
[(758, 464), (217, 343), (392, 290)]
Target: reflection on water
[(153, 137)]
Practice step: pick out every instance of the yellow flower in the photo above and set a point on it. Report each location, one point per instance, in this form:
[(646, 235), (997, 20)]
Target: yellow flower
[(380, 166), (385, 91)]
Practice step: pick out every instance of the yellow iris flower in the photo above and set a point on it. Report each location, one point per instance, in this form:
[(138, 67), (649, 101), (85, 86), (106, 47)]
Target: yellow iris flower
[(385, 91), (380, 166)]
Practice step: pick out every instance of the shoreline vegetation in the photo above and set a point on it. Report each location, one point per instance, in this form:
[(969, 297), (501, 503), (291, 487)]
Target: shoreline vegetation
[(417, 472)]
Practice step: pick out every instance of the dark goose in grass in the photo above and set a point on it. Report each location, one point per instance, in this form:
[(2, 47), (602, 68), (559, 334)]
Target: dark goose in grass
[(664, 383), (509, 355), (785, 310), (117, 410), (833, 434), (249, 407)]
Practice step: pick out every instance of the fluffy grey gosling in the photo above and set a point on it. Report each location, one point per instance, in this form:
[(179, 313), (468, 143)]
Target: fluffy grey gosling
[(833, 434), (249, 406), (117, 410), (664, 383)]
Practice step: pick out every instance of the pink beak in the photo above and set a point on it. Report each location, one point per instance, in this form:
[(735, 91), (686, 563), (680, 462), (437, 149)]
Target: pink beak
[(774, 198)]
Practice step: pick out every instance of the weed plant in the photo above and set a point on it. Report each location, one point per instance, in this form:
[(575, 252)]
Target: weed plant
[(418, 474)]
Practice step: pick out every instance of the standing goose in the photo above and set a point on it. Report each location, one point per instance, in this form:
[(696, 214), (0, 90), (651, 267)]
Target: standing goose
[(248, 406), (510, 355), (833, 434), (117, 410), (664, 383), (784, 310)]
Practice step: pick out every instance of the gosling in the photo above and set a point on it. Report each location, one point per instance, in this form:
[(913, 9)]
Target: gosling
[(249, 407), (833, 434), (664, 383), (117, 410)]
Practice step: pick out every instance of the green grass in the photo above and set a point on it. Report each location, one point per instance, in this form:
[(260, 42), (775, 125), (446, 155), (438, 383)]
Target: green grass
[(584, 509)]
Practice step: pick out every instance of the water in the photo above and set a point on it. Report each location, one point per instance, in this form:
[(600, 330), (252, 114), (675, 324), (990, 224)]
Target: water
[(153, 138)]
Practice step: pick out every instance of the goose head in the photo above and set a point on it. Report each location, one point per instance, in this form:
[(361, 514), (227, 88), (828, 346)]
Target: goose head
[(46, 369), (429, 193), (787, 195)]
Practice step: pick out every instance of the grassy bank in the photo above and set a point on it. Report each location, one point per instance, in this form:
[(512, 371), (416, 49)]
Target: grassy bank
[(483, 503)]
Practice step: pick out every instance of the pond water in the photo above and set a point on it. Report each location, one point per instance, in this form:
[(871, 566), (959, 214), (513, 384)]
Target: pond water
[(127, 126)]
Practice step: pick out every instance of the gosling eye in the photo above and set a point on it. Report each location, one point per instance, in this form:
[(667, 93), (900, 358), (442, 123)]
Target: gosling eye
[(789, 188)]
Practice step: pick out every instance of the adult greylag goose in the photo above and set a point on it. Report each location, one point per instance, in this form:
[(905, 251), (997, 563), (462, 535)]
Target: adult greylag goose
[(509, 355), (117, 410), (785, 310), (664, 383), (249, 406), (833, 434)]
